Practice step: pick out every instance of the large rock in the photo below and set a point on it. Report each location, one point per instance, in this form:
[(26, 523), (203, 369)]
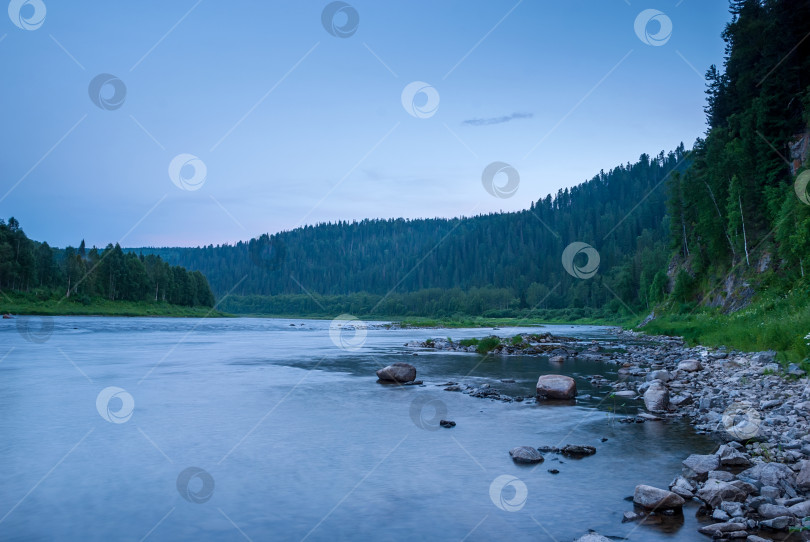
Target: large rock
[(729, 457), (770, 511), (800, 510), (656, 398), (699, 466), (398, 372), (656, 499), (715, 492), (689, 365), (779, 524), (770, 474), (526, 454), (660, 374), (556, 387)]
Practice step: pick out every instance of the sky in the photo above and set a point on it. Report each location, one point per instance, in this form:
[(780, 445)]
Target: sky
[(195, 122)]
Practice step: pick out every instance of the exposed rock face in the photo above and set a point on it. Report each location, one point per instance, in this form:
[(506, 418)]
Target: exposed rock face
[(526, 454), (556, 387), (656, 398), (657, 499), (397, 372)]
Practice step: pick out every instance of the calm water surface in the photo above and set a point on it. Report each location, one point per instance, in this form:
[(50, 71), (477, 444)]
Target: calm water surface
[(295, 439)]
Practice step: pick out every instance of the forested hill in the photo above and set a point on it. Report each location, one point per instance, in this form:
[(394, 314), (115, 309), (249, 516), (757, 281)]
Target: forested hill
[(507, 260), (44, 273), (739, 222), (708, 227)]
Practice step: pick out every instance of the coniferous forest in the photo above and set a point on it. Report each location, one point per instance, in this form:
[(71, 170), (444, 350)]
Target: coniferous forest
[(710, 226), (491, 264), (82, 274)]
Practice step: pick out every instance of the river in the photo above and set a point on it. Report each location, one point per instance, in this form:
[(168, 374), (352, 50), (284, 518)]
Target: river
[(256, 429)]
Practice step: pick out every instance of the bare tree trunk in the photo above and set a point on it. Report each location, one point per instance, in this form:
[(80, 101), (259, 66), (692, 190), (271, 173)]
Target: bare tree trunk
[(745, 241), (685, 243), (68, 290), (725, 230)]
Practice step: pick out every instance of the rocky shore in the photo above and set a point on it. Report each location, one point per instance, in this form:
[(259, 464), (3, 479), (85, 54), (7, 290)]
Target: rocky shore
[(756, 485)]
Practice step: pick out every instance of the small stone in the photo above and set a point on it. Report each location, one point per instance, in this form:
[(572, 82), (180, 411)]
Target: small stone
[(720, 515), (770, 492), (718, 530), (526, 454), (553, 471), (689, 365), (722, 475), (447, 423), (575, 451)]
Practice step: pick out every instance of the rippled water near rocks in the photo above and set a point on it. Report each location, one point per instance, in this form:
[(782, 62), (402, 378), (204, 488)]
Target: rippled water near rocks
[(227, 429)]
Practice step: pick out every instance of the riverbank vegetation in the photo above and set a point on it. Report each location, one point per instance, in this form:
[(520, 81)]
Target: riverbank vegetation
[(36, 278), (53, 304)]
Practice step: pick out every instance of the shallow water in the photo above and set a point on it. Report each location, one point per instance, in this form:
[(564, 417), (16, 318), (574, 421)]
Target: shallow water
[(301, 442)]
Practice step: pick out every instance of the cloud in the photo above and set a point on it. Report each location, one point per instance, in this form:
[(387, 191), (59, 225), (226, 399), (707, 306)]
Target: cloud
[(498, 120)]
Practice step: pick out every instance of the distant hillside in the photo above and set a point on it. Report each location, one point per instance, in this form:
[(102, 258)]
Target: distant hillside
[(511, 260), (709, 228)]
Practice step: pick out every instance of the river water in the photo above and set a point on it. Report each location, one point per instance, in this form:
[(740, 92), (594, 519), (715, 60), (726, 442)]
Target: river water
[(256, 429)]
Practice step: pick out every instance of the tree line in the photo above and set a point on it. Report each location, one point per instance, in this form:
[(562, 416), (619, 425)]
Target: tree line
[(492, 262), (668, 227), (83, 274)]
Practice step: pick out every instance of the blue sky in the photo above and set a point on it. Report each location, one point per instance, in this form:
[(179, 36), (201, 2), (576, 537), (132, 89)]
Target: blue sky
[(296, 126)]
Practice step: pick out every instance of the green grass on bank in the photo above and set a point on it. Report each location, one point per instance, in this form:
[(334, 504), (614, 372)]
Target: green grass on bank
[(771, 322), (550, 316), (22, 303)]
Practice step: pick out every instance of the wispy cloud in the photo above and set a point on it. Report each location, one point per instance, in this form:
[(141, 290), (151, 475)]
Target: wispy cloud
[(497, 120)]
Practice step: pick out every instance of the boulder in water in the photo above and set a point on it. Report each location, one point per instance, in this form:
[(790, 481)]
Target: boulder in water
[(397, 372), (556, 387)]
